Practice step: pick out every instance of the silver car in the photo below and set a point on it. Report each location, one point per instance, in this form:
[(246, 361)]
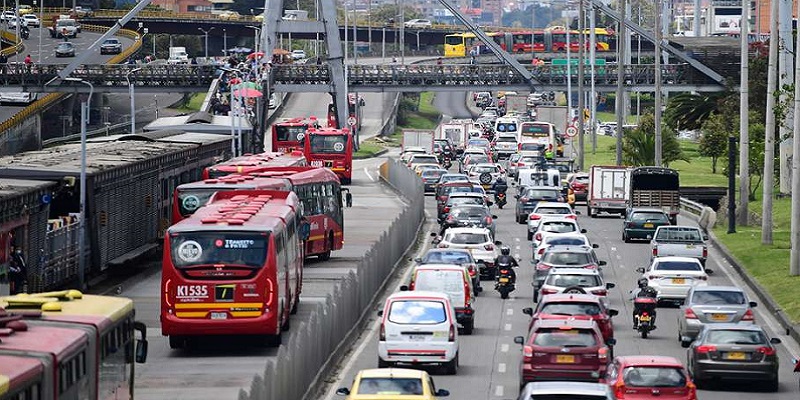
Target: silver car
[(572, 390), (712, 305), (574, 281)]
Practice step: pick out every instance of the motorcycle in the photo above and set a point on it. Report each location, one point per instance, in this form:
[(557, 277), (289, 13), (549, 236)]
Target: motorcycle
[(500, 199), (645, 318), (24, 34), (504, 284)]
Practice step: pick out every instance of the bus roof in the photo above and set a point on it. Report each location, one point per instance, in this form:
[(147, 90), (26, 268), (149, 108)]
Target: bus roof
[(300, 175), (17, 370), (262, 158), (329, 131), (43, 340), (235, 181), (72, 306), (241, 210)]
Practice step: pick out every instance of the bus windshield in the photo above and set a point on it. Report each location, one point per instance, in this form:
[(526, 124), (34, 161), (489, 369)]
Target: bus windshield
[(454, 40), (210, 248), (189, 202), (290, 133), (328, 144)]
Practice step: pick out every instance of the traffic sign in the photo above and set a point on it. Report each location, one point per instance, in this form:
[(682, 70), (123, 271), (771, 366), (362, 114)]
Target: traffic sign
[(572, 131), (351, 121)]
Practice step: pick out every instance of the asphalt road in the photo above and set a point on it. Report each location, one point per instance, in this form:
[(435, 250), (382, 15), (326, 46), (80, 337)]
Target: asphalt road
[(489, 359), (452, 105)]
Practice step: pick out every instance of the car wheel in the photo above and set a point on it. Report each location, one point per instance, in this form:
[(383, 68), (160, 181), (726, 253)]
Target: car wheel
[(451, 368), (535, 295), (469, 327), (772, 385), (625, 237), (530, 235), (176, 342)]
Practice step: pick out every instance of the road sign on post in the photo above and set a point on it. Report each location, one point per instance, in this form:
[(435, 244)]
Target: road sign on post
[(351, 121), (572, 131)]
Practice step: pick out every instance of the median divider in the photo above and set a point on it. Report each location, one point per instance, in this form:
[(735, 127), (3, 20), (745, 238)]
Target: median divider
[(318, 344)]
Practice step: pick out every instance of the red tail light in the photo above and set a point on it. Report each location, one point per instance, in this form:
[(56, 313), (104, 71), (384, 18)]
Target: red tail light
[(600, 292), (748, 316), (527, 353), (689, 314), (411, 285), (488, 220), (655, 252), (705, 252), (524, 199), (535, 217), (538, 237), (541, 251), (489, 247), (766, 350), (472, 271), (644, 313), (549, 291), (452, 336), (542, 267), (446, 210), (692, 391), (382, 337), (443, 245), (629, 224), (571, 216), (467, 297), (602, 353), (590, 266), (705, 349), (619, 390)]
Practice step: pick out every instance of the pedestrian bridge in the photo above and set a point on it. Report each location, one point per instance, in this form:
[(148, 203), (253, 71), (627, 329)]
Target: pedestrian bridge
[(360, 78)]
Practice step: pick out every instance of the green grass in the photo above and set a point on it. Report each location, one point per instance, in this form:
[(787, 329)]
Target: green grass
[(194, 103), (605, 116), (368, 148)]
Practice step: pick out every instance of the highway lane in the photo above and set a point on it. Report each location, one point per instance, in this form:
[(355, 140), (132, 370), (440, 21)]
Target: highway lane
[(490, 360), (452, 105)]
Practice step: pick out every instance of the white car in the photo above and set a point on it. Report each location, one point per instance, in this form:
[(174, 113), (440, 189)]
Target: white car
[(575, 281), (479, 243), (31, 20), (558, 225), (494, 171), (548, 209), (550, 239), (410, 152), (418, 327), (672, 277), (422, 159), (298, 54), (418, 24), (13, 21)]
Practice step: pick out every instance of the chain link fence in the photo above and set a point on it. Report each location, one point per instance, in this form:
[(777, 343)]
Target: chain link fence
[(317, 344)]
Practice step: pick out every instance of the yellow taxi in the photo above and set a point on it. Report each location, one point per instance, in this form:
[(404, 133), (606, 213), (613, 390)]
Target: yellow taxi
[(422, 167), (392, 384), (229, 15), (24, 9)]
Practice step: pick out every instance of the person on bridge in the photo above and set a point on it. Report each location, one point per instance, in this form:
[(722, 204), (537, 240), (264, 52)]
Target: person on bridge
[(3, 63), (18, 272), (28, 62)]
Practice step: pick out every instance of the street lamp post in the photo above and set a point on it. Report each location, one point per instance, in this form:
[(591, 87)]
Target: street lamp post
[(41, 22), (225, 41), (256, 33), (130, 91), (205, 33), (82, 207)]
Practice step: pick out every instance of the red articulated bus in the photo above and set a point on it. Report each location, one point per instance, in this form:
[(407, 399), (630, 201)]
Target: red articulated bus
[(321, 196), (188, 197), (287, 135), (233, 268), (254, 163), (331, 148)]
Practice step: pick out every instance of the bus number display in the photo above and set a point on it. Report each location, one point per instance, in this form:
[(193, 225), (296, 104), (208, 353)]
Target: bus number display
[(192, 291), (316, 163)]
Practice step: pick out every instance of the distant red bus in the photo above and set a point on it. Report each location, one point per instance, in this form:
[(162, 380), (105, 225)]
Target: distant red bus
[(233, 268), (353, 111), (188, 197), (321, 196), (331, 148), (254, 163), (287, 135)]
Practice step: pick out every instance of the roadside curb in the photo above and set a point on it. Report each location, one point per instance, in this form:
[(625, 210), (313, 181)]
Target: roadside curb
[(378, 154), (763, 296)]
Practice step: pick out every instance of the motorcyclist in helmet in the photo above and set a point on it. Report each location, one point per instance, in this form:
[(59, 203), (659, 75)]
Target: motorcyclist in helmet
[(643, 291), (500, 185), (505, 258)]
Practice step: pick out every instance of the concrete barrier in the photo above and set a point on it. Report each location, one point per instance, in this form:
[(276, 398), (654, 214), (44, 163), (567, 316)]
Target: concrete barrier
[(318, 344)]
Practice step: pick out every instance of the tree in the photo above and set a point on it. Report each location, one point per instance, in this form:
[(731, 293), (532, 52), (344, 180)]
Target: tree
[(389, 11), (689, 110), (638, 145), (714, 141)]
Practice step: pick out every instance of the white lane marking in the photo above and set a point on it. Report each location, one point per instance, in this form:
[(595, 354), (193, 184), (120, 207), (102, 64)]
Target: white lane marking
[(508, 327), (501, 368), (504, 347), (613, 249), (516, 255), (517, 247), (498, 391), (368, 175), (516, 239), (619, 257), (510, 312)]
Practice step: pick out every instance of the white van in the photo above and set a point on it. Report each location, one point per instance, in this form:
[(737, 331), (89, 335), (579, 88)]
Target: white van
[(507, 125), (537, 177), (418, 327)]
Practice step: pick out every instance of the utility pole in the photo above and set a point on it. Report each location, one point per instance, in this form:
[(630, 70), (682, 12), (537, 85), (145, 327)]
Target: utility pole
[(786, 65), (794, 240), (581, 94), (744, 119), (658, 161), (769, 134), (403, 34), (593, 96), (620, 103)]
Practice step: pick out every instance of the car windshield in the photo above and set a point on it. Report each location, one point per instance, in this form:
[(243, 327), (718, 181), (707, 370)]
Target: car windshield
[(565, 241), (390, 386), (111, 41), (477, 158), (558, 226), (679, 234), (506, 127), (478, 143), (426, 312), (467, 238), (448, 282), (447, 257), (452, 178), (733, 336), (649, 216), (582, 179), (571, 308), (433, 173), (424, 159), (455, 201), (678, 266), (566, 258), (722, 297), (556, 337), (469, 212), (563, 281), (541, 194), (553, 210), (653, 377)]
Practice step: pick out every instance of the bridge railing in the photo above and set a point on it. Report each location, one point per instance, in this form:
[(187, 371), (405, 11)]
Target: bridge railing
[(9, 37)]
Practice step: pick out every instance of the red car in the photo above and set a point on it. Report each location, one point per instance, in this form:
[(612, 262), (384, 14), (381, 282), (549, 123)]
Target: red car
[(579, 183), (564, 350), (644, 377), (586, 307)]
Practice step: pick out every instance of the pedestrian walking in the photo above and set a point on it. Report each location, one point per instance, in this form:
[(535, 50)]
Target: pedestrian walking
[(18, 272)]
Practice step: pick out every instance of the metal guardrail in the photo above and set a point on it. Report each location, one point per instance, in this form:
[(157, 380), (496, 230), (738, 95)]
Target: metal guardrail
[(9, 37), (705, 216)]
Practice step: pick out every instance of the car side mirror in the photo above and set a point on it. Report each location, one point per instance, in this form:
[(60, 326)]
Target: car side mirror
[(753, 304), (577, 212), (436, 241), (380, 313), (343, 391), (498, 243), (640, 270), (527, 311), (494, 216), (709, 271), (479, 289), (686, 342), (775, 340), (611, 342), (610, 285), (433, 234), (519, 340), (595, 246), (490, 203), (613, 313), (516, 196), (442, 393), (583, 230), (705, 237), (404, 288), (141, 344), (418, 259), (602, 263)]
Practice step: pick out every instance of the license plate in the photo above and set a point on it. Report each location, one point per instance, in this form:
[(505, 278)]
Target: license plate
[(735, 355), (219, 315), (648, 225), (689, 246), (416, 338), (503, 280), (719, 317), (678, 281), (644, 318), (565, 359)]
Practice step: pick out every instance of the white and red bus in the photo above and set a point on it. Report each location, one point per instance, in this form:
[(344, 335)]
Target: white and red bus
[(354, 110), (233, 268), (254, 163), (331, 148), (188, 197), (321, 198), (288, 134)]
